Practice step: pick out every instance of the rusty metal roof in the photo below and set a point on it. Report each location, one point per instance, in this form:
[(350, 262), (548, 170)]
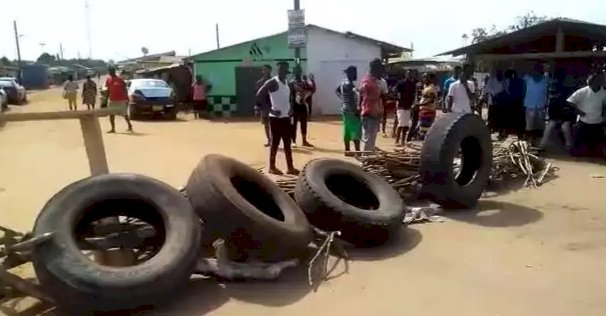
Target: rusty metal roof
[(568, 26)]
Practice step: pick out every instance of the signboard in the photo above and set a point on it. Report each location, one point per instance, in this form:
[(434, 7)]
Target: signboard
[(297, 34)]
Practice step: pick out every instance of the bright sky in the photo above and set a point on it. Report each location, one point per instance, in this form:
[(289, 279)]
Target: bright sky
[(119, 28)]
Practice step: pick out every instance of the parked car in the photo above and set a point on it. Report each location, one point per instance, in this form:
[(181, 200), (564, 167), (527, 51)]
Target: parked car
[(16, 92), (151, 97)]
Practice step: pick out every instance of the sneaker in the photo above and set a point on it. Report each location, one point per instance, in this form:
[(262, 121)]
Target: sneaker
[(275, 171)]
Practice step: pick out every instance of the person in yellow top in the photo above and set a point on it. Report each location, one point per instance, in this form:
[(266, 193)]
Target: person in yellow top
[(70, 92), (427, 105)]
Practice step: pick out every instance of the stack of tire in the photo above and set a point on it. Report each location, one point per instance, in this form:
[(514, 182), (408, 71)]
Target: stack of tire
[(234, 202)]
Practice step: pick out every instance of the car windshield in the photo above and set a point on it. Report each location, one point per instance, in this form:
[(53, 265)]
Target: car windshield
[(150, 84)]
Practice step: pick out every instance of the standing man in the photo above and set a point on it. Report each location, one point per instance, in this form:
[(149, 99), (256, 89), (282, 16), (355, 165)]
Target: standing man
[(279, 117), (370, 103), (300, 92), (263, 105), (89, 93), (535, 100), (590, 102), (455, 76), (407, 94), (560, 111), (70, 92), (352, 125), (461, 93), (117, 99), (312, 84)]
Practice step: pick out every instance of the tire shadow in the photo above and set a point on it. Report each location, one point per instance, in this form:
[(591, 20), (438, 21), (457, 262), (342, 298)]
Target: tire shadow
[(291, 287), (496, 214), (402, 241)]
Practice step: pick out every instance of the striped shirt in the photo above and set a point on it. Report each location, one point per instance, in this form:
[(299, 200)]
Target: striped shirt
[(349, 96)]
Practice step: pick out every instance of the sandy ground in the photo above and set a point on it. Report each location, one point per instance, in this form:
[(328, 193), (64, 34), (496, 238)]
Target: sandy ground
[(523, 252)]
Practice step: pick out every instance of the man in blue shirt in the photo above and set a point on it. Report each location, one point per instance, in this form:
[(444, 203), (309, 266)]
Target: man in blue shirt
[(535, 100), (455, 76)]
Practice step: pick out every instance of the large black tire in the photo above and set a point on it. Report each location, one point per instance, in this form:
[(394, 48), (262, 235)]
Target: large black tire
[(338, 195), (237, 202), (80, 285), (448, 134)]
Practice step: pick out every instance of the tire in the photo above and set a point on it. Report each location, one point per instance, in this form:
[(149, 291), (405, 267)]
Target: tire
[(132, 112), (78, 284), (237, 202), (172, 114), (440, 183), (337, 195)]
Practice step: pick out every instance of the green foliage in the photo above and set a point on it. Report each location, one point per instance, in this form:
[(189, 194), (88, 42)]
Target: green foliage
[(529, 19)]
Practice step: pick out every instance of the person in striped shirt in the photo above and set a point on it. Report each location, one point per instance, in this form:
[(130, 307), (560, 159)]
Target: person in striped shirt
[(352, 124)]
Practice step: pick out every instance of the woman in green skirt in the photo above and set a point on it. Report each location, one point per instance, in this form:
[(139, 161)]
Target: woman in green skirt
[(352, 126)]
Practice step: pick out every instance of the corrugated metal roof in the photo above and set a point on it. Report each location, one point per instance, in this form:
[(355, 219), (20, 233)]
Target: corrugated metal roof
[(568, 26)]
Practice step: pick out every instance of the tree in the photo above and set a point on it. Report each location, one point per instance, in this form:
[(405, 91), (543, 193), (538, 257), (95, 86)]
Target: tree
[(46, 58), (529, 19), (5, 61)]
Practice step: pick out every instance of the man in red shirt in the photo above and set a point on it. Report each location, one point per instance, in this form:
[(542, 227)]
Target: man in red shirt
[(117, 93), (370, 103)]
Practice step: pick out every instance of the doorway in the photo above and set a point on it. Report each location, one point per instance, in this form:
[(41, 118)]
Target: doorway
[(246, 89)]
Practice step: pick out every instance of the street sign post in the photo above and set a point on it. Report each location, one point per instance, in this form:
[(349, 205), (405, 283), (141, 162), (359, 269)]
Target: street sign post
[(297, 34)]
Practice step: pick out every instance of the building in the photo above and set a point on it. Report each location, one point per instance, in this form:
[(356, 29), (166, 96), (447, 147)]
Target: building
[(573, 45), (234, 70)]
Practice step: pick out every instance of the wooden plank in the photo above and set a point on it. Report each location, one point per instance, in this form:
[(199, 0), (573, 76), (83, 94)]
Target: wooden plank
[(61, 115), (93, 142), (582, 54)]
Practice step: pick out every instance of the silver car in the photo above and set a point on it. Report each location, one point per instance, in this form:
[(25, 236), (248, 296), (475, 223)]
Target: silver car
[(16, 93)]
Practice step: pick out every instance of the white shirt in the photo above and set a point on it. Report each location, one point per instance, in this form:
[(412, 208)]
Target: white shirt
[(280, 99), (590, 102), (460, 99)]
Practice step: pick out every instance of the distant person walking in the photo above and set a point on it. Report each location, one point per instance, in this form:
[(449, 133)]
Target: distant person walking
[(279, 117), (428, 105), (352, 125), (311, 81), (200, 89), (89, 93), (70, 92), (370, 103), (455, 76), (117, 99), (263, 105), (535, 101)]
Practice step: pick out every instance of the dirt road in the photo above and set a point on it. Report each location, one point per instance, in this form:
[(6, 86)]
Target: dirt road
[(527, 252)]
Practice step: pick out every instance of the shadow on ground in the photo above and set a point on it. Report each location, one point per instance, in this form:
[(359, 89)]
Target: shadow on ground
[(496, 214), (402, 241)]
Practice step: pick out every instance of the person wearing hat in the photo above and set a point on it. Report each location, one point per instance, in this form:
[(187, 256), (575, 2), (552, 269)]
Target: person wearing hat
[(117, 93), (280, 111), (352, 125)]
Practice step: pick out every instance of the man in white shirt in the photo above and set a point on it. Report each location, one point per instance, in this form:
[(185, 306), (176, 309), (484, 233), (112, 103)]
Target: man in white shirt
[(590, 102), (461, 93)]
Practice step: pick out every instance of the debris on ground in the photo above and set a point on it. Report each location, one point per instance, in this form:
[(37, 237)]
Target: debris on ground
[(428, 214)]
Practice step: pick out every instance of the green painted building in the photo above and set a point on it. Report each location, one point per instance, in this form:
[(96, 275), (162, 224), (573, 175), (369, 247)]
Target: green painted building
[(234, 70)]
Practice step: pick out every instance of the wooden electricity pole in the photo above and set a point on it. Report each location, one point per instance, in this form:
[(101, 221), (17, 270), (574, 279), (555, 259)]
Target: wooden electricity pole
[(18, 51), (297, 49)]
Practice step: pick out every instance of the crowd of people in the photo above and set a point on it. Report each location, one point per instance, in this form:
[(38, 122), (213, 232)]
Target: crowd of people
[(117, 96), (538, 105)]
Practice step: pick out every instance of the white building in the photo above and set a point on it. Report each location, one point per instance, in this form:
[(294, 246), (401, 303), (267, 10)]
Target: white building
[(234, 70)]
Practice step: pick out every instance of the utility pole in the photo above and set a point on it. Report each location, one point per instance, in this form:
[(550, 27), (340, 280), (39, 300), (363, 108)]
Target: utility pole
[(18, 52), (297, 49), (61, 50), (88, 36), (217, 34)]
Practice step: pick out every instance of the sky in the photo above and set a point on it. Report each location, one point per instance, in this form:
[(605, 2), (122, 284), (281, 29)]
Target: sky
[(120, 28)]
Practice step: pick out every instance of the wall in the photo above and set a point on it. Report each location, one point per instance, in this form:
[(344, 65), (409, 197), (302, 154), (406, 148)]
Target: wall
[(218, 67), (328, 54)]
